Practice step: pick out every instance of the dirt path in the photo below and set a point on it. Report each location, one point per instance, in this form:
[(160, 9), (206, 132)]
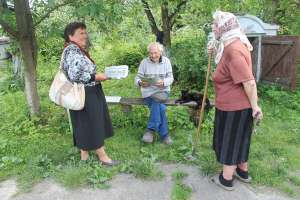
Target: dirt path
[(127, 187)]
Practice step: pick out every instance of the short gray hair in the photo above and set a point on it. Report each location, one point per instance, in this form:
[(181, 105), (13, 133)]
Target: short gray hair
[(156, 45)]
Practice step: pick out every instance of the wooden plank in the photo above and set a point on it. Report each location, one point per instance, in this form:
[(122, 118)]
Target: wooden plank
[(278, 60), (140, 101), (276, 42)]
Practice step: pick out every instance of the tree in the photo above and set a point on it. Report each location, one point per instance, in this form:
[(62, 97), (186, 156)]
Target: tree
[(168, 19), (25, 35), (17, 21)]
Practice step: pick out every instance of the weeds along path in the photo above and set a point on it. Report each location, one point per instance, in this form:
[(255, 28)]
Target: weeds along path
[(127, 187)]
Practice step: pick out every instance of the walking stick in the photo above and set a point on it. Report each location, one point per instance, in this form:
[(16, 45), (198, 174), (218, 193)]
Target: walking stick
[(69, 119), (198, 131)]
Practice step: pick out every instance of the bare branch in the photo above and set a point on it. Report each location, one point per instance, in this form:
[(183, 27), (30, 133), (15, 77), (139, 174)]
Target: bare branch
[(150, 17), (46, 15), (177, 10), (9, 29)]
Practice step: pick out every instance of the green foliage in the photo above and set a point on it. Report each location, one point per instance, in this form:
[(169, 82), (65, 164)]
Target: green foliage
[(119, 52), (189, 59), (35, 148), (281, 96), (51, 48), (10, 83), (285, 13), (106, 14), (179, 117), (180, 191), (179, 175), (295, 180), (73, 176), (32, 149), (131, 57), (146, 169)]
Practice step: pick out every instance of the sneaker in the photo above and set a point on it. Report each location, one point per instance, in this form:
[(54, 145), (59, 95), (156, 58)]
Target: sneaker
[(242, 175), (167, 140), (223, 183), (148, 136)]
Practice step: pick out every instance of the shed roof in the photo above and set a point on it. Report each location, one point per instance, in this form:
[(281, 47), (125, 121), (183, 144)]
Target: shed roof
[(253, 25)]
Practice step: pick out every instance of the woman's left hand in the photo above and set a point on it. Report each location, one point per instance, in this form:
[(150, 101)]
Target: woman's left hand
[(101, 77)]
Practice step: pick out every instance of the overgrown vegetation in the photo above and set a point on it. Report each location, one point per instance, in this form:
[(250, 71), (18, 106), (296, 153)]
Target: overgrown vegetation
[(34, 148), (37, 148), (180, 191)]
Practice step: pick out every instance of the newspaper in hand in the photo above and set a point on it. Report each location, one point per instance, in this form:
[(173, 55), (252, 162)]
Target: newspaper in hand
[(150, 80), (116, 72)]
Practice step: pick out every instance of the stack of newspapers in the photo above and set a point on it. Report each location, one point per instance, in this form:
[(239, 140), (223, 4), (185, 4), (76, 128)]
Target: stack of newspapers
[(116, 72)]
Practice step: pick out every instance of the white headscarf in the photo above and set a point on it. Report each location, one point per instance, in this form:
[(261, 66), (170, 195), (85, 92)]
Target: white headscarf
[(229, 28)]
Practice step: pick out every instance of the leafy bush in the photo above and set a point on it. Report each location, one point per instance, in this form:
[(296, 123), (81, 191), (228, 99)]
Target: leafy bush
[(50, 48), (132, 58), (120, 53), (281, 96), (189, 59)]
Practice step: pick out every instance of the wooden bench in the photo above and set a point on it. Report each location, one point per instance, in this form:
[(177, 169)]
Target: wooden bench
[(127, 103)]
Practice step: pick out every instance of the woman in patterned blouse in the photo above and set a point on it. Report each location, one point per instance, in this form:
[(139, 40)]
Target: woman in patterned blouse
[(92, 124)]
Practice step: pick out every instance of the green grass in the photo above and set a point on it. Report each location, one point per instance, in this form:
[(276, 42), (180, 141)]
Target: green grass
[(73, 176), (41, 147), (179, 190), (295, 180)]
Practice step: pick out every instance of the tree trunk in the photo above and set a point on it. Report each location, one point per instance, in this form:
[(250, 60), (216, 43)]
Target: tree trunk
[(28, 46), (166, 25)]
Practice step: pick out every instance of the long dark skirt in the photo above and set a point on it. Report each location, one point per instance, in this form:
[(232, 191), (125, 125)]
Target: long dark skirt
[(92, 124), (232, 135)]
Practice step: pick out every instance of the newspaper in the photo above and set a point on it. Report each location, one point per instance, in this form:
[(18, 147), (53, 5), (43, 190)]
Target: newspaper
[(116, 72), (112, 99), (150, 80)]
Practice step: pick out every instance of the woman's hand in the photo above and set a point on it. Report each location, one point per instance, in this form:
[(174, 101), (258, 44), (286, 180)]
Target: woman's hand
[(160, 84), (257, 113), (210, 50), (101, 77), (210, 47), (144, 84)]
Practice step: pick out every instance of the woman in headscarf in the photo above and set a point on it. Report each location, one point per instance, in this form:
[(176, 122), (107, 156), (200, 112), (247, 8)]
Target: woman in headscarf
[(236, 99)]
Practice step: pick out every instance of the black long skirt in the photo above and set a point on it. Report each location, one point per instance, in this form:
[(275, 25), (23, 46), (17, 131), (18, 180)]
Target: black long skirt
[(92, 124), (232, 136)]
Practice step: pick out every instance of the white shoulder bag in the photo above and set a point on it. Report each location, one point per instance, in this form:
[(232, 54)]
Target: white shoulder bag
[(65, 93)]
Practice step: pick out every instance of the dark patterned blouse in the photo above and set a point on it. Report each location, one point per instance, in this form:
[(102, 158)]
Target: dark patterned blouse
[(78, 66)]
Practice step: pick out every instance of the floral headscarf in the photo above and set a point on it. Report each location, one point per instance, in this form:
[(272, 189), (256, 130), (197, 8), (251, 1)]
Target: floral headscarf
[(229, 28)]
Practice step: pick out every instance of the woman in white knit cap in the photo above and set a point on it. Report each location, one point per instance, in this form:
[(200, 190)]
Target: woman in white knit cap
[(235, 100)]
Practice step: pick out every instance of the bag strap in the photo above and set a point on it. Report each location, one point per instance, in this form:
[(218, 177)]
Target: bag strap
[(62, 60), (61, 65)]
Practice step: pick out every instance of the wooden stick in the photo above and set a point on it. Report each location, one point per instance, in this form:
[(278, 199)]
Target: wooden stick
[(70, 122), (198, 131)]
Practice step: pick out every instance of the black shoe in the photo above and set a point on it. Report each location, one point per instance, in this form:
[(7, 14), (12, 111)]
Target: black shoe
[(110, 164), (242, 175), (223, 183)]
